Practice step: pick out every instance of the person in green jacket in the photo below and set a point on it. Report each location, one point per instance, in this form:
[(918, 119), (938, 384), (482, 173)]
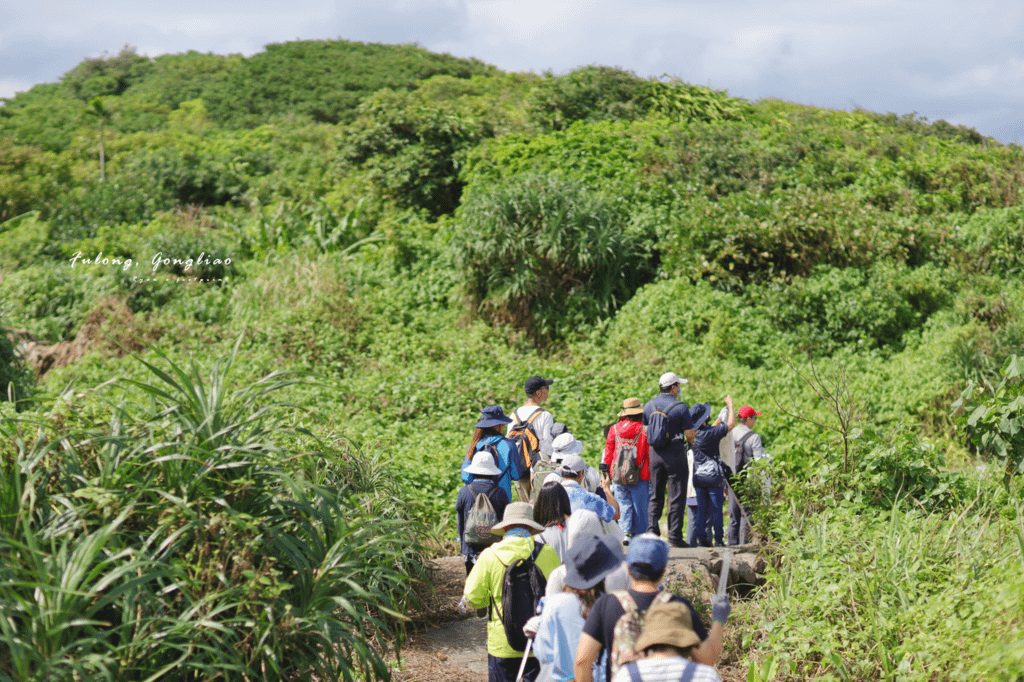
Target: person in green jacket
[(485, 580)]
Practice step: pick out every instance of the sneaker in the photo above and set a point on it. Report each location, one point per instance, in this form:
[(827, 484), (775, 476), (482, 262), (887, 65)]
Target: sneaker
[(678, 543)]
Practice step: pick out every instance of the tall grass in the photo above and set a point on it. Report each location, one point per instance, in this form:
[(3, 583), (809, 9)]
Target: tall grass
[(193, 534), (904, 595)]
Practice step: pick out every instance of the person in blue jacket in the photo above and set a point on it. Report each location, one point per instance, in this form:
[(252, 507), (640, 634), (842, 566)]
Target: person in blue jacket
[(490, 433)]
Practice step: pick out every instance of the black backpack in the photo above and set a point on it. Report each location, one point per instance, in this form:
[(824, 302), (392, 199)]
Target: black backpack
[(521, 591)]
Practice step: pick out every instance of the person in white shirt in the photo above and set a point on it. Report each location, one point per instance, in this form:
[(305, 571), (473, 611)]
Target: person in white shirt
[(537, 390)]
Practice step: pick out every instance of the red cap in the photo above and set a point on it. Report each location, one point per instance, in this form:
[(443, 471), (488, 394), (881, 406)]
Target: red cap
[(746, 412)]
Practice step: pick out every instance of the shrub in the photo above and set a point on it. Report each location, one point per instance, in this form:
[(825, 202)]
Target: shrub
[(545, 255)]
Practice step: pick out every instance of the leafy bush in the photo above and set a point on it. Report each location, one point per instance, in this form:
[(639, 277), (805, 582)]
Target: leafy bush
[(415, 148), (546, 255), (992, 417), (589, 93)]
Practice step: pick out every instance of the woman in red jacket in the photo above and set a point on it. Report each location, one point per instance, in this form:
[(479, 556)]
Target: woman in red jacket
[(630, 479)]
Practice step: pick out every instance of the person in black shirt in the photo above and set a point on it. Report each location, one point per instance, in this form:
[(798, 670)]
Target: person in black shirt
[(668, 466), (647, 558)]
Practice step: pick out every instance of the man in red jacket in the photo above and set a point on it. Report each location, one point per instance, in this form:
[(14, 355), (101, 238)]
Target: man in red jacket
[(632, 498)]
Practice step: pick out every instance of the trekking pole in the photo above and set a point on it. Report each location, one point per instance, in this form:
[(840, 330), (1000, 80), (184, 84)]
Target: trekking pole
[(526, 656), (529, 645), (723, 577)]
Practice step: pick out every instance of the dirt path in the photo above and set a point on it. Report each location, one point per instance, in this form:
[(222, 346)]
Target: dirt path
[(448, 646)]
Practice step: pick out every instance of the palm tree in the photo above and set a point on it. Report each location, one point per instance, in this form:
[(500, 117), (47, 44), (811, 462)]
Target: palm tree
[(103, 116)]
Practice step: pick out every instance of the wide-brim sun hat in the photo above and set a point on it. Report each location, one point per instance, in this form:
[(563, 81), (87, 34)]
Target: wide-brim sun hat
[(589, 560), (631, 407), (699, 414), (483, 465), (491, 416), (565, 445), (518, 514), (670, 624)]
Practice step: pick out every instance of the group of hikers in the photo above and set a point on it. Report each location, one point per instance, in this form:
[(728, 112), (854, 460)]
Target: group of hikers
[(563, 600)]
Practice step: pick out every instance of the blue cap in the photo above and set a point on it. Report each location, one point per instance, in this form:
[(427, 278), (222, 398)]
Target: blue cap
[(648, 549)]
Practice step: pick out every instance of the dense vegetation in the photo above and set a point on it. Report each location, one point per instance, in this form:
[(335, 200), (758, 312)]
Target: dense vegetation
[(408, 236)]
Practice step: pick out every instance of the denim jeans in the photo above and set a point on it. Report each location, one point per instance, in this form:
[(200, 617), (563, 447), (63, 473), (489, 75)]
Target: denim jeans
[(709, 503), (632, 501)]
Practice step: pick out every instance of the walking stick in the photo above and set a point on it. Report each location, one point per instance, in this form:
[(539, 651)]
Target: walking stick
[(526, 656)]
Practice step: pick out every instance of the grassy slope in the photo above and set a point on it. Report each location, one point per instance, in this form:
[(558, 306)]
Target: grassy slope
[(884, 244)]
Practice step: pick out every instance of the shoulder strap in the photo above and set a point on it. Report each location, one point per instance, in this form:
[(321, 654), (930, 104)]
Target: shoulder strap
[(743, 440), (688, 671), (664, 596), (536, 413), (634, 671), (625, 600)]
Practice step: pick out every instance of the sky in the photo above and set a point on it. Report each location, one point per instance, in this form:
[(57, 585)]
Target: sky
[(954, 60)]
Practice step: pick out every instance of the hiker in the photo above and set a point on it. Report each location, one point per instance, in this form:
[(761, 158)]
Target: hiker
[(572, 471), (708, 474), (489, 583), (589, 560), (584, 523), (552, 510), (489, 435), (691, 503), (748, 447), (647, 558), (563, 446), (485, 482), (628, 438), (667, 421), (531, 425), (666, 646)]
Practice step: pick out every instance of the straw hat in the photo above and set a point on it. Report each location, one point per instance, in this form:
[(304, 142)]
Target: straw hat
[(668, 624), (630, 407), (518, 514)]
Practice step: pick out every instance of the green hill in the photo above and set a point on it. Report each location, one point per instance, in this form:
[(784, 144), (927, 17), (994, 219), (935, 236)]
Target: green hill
[(418, 233)]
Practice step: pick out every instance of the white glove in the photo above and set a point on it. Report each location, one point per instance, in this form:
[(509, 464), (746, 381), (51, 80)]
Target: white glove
[(531, 627), (462, 604)]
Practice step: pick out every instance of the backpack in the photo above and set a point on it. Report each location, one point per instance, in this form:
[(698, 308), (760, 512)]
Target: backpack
[(739, 452), (479, 520), (521, 591), (707, 472), (628, 627), (658, 434), (525, 438), (625, 469)]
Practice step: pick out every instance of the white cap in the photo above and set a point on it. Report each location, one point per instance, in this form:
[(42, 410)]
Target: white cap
[(571, 465), (669, 378)]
